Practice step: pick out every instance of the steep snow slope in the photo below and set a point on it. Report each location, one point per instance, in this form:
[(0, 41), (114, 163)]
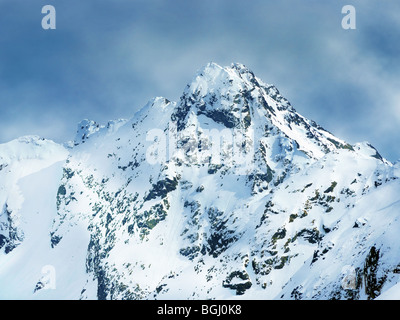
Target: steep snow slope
[(31, 170), (18, 159), (229, 193)]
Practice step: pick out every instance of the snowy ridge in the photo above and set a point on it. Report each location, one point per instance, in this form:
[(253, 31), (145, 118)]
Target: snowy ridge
[(149, 208)]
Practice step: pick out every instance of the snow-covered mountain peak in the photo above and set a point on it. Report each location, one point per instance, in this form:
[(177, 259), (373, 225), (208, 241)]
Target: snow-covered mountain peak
[(89, 128), (141, 209), (366, 149), (215, 78), (236, 99), (156, 104), (85, 129), (29, 147), (231, 96)]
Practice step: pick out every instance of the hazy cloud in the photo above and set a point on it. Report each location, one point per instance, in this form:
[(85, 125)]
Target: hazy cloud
[(108, 58)]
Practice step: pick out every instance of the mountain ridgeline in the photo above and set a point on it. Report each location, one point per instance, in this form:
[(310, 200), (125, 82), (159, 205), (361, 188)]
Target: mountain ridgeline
[(227, 192)]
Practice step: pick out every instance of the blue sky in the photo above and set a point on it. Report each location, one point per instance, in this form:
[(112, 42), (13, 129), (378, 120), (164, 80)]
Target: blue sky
[(106, 59)]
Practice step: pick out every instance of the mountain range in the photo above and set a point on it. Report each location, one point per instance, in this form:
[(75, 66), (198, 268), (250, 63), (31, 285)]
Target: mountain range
[(228, 193)]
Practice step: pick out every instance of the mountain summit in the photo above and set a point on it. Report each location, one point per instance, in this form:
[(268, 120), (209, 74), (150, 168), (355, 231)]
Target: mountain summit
[(229, 191)]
